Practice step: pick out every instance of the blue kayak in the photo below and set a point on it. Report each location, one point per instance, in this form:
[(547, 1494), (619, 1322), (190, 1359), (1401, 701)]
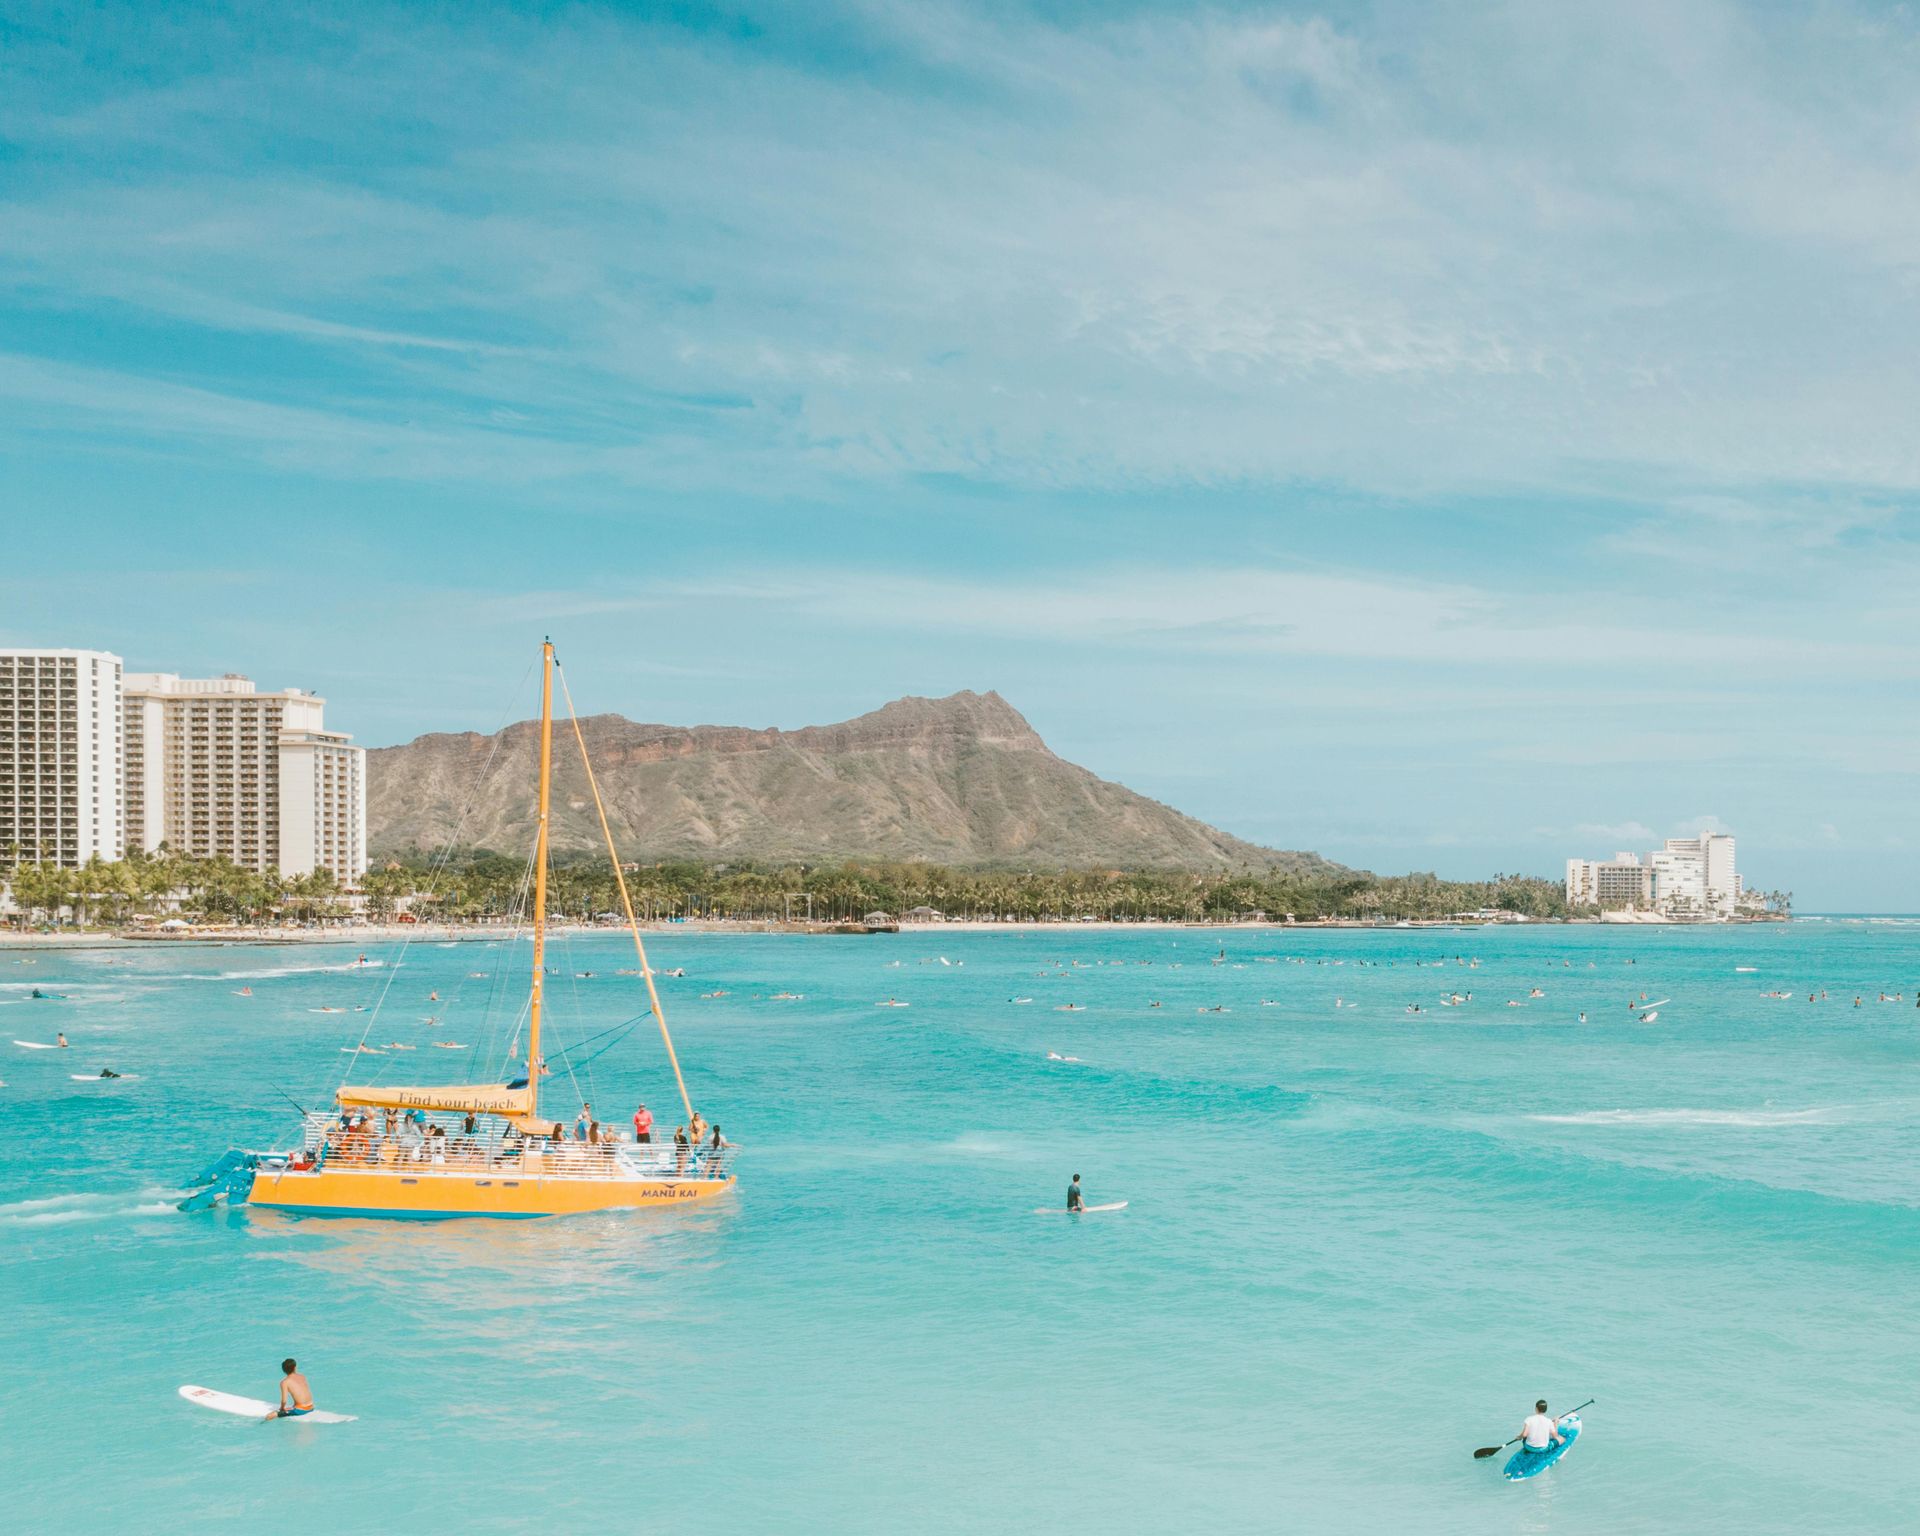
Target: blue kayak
[(1525, 1463)]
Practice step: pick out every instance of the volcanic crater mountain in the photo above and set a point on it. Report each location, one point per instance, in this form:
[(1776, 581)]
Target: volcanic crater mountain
[(962, 780)]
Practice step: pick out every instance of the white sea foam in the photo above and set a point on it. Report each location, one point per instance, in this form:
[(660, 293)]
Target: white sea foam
[(1685, 1117), (269, 972), (54, 1209)]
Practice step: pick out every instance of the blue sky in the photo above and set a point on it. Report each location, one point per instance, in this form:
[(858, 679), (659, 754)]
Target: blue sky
[(1444, 437)]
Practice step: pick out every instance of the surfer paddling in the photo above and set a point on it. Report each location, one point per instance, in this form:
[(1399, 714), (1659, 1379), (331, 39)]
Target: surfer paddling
[(296, 1397)]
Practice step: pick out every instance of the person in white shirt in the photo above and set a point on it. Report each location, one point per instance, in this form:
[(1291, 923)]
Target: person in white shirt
[(1539, 1431)]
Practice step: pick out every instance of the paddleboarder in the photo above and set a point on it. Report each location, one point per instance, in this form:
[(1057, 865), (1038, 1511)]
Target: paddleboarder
[(1539, 1431), (1073, 1196), (296, 1397)]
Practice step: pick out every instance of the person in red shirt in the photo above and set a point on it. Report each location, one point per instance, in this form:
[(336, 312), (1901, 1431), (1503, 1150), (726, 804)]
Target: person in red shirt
[(642, 1124)]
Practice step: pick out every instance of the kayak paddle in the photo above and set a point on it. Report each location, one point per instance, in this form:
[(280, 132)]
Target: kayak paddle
[(1494, 1450)]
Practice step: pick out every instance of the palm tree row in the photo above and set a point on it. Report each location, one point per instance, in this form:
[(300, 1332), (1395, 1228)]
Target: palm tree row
[(482, 887), (149, 884), (488, 886)]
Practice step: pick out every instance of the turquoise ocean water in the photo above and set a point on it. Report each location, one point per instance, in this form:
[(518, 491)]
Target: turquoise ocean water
[(1359, 1241)]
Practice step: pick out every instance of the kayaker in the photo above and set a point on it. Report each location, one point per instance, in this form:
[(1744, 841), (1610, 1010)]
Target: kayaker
[(1539, 1431)]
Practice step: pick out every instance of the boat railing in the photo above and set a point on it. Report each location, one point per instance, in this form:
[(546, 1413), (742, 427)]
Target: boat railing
[(368, 1144)]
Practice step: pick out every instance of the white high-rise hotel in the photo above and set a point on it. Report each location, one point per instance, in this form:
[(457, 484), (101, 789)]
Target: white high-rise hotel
[(1689, 877), (60, 772), (215, 767), (96, 760)]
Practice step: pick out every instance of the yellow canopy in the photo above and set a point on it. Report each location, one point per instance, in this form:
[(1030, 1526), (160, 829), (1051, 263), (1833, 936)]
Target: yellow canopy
[(475, 1098)]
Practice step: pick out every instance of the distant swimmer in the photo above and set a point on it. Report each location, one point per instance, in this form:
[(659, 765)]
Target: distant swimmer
[(434, 996), (1073, 1196), (1583, 1018), (296, 1396)]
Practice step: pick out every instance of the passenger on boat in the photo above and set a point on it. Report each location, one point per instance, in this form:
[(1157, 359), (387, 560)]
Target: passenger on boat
[(643, 1124), (581, 1121), (680, 1149), (716, 1150), (697, 1128)]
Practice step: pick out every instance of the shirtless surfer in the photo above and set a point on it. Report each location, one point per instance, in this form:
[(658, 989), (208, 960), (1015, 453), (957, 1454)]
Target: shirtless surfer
[(296, 1397)]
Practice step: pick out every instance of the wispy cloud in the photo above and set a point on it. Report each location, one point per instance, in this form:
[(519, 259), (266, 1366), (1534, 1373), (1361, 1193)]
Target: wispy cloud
[(1158, 248)]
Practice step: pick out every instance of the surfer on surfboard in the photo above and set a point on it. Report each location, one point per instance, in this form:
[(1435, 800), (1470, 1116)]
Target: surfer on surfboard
[(1074, 1204), (296, 1397)]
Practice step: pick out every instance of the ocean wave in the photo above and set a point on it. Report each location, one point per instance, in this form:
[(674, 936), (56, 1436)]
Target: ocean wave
[(269, 972), (1758, 1118), (53, 1209)]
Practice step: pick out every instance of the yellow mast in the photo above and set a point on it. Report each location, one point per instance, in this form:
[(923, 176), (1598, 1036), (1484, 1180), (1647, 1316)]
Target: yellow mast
[(626, 902), (540, 880)]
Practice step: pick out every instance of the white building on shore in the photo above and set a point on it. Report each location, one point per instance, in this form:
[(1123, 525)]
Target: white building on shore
[(217, 768), (60, 757), (1690, 877)]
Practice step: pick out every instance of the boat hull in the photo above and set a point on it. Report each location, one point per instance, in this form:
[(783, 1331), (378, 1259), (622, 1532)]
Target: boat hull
[(440, 1196)]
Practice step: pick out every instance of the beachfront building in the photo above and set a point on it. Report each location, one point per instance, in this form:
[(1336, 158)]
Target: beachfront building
[(1689, 877), (1619, 883), (60, 775), (217, 768)]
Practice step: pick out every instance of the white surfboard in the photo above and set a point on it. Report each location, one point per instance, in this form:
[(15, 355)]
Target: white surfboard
[(95, 1077), (1085, 1210), (254, 1408), (36, 1045)]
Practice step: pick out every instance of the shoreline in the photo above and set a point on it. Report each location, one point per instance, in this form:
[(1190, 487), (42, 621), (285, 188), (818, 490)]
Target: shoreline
[(454, 933)]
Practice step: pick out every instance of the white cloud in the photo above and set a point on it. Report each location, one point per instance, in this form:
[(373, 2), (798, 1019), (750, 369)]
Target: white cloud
[(1143, 249), (1621, 834)]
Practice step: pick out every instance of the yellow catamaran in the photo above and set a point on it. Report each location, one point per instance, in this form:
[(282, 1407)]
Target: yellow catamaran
[(478, 1149)]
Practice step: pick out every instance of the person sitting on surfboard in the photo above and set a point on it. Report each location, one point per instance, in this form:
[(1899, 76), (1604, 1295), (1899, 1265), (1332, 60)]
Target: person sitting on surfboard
[(60, 1040), (1073, 1195), (1539, 1431), (296, 1397)]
